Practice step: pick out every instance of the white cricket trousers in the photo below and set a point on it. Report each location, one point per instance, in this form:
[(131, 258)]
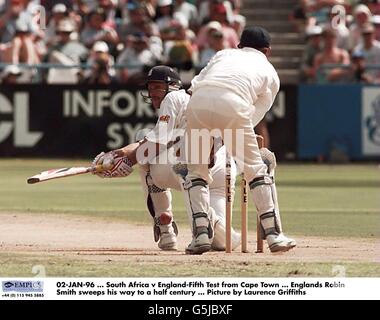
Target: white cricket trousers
[(219, 109), (164, 176)]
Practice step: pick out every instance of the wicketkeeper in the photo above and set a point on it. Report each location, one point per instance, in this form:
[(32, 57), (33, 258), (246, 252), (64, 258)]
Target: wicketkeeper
[(232, 94)]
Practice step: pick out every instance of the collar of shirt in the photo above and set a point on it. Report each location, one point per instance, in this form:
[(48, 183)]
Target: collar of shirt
[(253, 50)]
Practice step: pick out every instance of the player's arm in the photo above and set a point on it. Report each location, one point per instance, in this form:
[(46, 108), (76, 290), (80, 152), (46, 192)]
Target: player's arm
[(265, 101), (119, 162), (149, 144), (116, 163)]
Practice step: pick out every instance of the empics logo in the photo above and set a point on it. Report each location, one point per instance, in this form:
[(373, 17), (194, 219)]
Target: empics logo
[(8, 285), (22, 136), (23, 286)]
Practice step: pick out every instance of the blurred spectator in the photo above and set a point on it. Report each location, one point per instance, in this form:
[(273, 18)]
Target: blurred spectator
[(76, 27), (357, 71), (11, 74), (299, 19), (189, 11), (49, 4), (317, 11), (81, 9), (33, 8), (238, 24), (66, 45), (216, 43), (109, 8), (238, 21), (21, 49), (164, 14), (373, 5), (178, 20), (59, 12), (341, 30), (178, 50), (138, 20), (376, 23), (2, 6), (331, 54), (219, 14), (100, 51), (90, 5), (178, 42), (202, 40), (362, 16), (100, 73), (207, 7), (96, 30), (370, 48), (150, 7), (136, 56), (15, 12), (155, 41), (67, 51), (312, 48)]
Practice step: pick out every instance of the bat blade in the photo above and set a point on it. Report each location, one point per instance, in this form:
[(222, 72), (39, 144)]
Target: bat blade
[(58, 173)]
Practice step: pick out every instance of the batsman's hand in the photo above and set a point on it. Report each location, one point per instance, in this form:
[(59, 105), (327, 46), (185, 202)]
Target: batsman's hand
[(106, 160), (113, 165), (269, 159)]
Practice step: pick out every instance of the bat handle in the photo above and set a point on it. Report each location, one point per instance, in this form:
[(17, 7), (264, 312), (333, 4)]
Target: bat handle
[(98, 168)]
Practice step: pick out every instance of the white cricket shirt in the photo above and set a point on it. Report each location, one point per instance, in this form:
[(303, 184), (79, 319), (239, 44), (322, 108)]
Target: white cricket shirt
[(247, 72), (171, 121)]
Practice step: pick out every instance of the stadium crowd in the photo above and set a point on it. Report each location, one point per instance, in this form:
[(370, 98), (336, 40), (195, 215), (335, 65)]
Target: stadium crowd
[(105, 41), (343, 40)]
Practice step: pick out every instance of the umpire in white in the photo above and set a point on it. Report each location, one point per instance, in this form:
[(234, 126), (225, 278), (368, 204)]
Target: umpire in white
[(229, 98)]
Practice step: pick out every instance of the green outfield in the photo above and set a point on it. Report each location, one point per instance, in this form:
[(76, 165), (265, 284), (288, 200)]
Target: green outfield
[(322, 201)]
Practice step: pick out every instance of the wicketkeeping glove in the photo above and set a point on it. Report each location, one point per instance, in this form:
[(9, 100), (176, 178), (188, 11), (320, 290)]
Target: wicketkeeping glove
[(116, 166)]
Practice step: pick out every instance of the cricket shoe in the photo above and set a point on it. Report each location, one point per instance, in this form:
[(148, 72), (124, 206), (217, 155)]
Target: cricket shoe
[(168, 238), (199, 245), (280, 243), (235, 239), (165, 232), (219, 241)]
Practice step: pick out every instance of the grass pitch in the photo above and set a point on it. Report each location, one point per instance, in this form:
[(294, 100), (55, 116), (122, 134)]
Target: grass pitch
[(315, 200)]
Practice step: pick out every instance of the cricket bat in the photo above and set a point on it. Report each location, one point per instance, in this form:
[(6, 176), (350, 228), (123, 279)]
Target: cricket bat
[(62, 173)]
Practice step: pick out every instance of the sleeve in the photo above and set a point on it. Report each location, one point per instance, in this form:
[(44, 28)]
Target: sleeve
[(163, 132), (204, 71), (265, 101)]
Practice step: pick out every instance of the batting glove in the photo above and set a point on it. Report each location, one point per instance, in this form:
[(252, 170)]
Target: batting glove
[(117, 167), (269, 159)]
